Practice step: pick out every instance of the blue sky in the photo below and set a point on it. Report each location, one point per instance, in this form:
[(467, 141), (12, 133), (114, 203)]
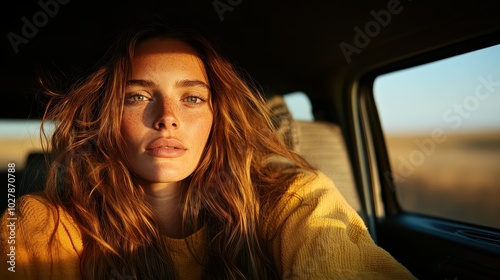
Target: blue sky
[(442, 95)]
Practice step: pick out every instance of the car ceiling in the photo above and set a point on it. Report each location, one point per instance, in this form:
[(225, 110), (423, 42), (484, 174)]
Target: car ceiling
[(285, 45)]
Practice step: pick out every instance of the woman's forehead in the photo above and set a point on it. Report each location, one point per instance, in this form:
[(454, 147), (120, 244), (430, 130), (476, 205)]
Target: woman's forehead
[(163, 45)]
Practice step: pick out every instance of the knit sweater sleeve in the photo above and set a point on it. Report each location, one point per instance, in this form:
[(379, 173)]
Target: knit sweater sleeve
[(26, 251), (315, 234)]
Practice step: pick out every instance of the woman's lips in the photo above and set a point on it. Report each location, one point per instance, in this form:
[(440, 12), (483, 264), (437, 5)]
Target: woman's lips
[(166, 148)]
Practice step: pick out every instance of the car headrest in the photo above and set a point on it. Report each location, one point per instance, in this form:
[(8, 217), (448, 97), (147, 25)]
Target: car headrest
[(321, 144)]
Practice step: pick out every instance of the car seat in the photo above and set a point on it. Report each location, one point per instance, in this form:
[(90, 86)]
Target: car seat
[(322, 144)]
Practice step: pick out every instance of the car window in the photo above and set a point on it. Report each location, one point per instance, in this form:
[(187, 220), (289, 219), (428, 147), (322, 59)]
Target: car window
[(19, 138), (299, 105), (441, 123)]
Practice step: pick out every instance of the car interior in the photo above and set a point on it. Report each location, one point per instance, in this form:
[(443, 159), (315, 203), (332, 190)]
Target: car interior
[(337, 55)]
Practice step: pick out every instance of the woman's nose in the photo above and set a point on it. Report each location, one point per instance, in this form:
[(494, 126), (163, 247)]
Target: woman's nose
[(165, 116)]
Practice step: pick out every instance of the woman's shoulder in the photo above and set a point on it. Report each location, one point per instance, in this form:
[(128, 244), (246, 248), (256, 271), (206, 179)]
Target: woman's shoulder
[(33, 204), (317, 192), (39, 233), (305, 190), (36, 216), (311, 194), (34, 209), (312, 184)]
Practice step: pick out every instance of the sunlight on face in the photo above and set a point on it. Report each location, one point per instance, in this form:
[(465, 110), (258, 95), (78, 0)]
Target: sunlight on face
[(167, 117)]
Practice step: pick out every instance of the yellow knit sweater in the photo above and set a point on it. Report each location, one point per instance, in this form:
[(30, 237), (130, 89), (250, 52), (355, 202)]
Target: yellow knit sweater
[(317, 236)]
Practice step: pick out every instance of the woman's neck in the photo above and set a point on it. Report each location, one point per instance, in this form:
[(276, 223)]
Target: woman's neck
[(166, 202)]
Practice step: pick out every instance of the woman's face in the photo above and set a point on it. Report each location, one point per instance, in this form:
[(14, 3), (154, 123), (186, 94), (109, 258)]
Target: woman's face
[(167, 117)]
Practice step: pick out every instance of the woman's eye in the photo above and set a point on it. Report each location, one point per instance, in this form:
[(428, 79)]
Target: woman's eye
[(137, 98), (193, 99)]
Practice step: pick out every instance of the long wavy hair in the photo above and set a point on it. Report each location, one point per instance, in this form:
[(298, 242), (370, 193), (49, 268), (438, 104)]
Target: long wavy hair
[(244, 170)]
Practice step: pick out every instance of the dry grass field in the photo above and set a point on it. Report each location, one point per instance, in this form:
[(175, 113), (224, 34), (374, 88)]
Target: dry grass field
[(457, 177)]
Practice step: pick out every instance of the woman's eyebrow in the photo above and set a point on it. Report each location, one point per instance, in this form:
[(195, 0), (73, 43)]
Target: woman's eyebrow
[(192, 83), (143, 83), (181, 83)]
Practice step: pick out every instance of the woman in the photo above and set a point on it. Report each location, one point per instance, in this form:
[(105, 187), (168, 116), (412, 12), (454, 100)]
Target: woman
[(166, 166)]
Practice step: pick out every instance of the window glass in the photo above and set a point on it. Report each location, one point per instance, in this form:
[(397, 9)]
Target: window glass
[(299, 105), (18, 138), (441, 123)]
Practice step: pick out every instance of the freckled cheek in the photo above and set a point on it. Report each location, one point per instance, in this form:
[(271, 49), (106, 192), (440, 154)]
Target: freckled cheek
[(201, 126), (129, 128), (206, 127)]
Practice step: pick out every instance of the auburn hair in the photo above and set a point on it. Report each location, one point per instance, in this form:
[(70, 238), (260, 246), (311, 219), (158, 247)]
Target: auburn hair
[(244, 171)]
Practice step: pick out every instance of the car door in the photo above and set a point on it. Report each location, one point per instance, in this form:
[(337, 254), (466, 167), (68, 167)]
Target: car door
[(426, 132)]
